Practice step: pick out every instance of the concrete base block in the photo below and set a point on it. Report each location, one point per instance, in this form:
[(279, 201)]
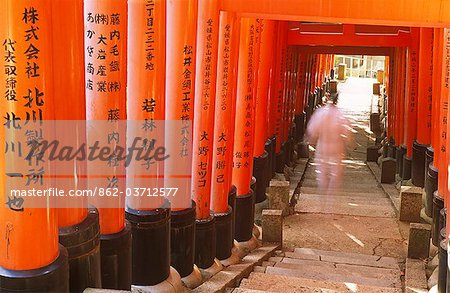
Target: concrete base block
[(233, 259), (244, 248), (212, 270), (272, 225), (172, 284), (434, 278), (372, 153), (388, 170), (194, 280), (415, 278), (410, 204), (279, 196), (419, 241), (256, 231)]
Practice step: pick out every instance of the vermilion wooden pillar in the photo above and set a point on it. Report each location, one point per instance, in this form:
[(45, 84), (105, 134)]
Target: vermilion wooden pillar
[(392, 103), (433, 152), (70, 109), (425, 77), (394, 93), (437, 78), (180, 85), (280, 73), (400, 90), (261, 166), (412, 94), (285, 111), (244, 134), (30, 258), (273, 100), (443, 125), (106, 83), (203, 135), (443, 186), (149, 216), (223, 195), (441, 194)]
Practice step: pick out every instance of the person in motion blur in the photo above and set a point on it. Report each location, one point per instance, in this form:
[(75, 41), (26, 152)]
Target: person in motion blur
[(330, 132)]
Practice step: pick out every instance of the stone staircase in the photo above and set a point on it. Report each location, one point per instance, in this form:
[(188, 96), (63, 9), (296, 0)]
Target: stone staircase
[(313, 270)]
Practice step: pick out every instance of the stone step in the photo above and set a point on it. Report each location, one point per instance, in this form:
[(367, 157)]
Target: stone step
[(341, 258), (279, 283), (348, 199), (341, 274), (340, 205), (366, 193), (306, 263), (346, 184), (347, 257), (367, 178), (344, 270)]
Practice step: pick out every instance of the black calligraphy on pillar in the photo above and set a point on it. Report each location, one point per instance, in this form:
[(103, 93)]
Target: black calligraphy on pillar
[(186, 98), (242, 157), (221, 140), (150, 35)]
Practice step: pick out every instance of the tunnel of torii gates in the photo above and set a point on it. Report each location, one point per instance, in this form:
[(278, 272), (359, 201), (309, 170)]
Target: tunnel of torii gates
[(246, 74)]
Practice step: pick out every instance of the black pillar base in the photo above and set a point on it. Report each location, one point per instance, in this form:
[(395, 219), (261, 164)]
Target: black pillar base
[(83, 247), (290, 157), (418, 164), (205, 242), (253, 184), (406, 169), (116, 259), (53, 278), (385, 149), (431, 179), (401, 151), (442, 224), (431, 185), (299, 126), (274, 155), (429, 157), (245, 215), (270, 159), (438, 205), (260, 166), (279, 168), (442, 273), (182, 240), (285, 152), (224, 234), (232, 204), (391, 151), (150, 230)]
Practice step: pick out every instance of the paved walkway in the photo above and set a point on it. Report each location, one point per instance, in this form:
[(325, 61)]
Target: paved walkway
[(359, 217)]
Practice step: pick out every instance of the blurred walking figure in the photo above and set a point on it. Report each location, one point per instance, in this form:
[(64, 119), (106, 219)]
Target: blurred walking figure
[(329, 131)]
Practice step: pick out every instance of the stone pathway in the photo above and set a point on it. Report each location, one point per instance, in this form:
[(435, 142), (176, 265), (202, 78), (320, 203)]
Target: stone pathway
[(348, 242)]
